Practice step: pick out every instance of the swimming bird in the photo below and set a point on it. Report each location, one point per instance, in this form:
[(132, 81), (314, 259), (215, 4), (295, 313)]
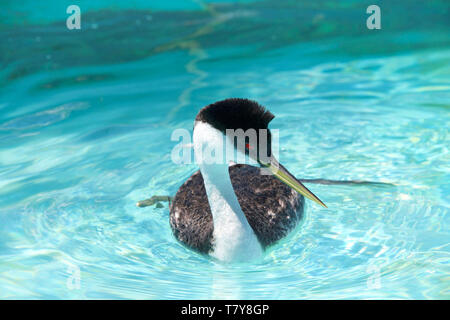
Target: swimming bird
[(229, 209)]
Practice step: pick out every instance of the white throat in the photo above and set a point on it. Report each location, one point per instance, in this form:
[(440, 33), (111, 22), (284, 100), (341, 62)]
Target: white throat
[(234, 239)]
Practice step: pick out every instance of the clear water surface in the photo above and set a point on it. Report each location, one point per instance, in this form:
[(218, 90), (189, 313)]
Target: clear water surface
[(85, 124)]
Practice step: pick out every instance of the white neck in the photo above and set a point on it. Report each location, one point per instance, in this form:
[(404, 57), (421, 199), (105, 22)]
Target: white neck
[(234, 239)]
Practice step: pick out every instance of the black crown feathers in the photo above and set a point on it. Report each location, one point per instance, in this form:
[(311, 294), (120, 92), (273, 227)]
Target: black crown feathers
[(235, 113)]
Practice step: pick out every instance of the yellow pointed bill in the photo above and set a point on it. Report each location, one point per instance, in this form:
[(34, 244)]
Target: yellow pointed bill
[(286, 177)]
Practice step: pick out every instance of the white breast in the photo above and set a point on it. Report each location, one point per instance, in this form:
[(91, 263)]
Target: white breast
[(234, 239)]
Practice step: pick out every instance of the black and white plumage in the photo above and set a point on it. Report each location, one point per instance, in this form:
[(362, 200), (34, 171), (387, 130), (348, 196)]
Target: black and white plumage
[(234, 212), (272, 208)]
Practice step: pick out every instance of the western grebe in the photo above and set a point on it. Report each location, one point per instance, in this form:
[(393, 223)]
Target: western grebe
[(233, 212)]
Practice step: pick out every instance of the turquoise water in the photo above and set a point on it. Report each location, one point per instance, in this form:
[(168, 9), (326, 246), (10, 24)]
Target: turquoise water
[(86, 118)]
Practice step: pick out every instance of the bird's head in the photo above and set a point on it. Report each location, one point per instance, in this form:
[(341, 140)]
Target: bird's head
[(236, 130)]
